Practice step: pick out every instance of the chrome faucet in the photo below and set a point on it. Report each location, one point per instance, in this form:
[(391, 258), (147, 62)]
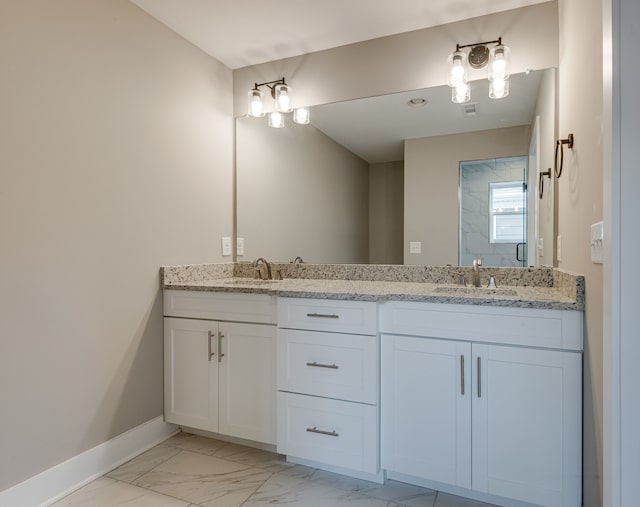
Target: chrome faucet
[(256, 265), (297, 260), (475, 272)]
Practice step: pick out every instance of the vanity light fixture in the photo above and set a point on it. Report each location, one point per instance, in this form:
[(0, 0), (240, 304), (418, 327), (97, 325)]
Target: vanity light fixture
[(281, 94), (479, 55)]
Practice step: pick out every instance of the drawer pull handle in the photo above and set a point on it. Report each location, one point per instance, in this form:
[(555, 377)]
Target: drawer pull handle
[(322, 432), (321, 365), (323, 315), (462, 374)]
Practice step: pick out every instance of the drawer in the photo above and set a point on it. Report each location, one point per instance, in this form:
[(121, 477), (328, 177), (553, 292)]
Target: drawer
[(332, 365), (333, 432), (357, 317), (234, 307), (558, 329)]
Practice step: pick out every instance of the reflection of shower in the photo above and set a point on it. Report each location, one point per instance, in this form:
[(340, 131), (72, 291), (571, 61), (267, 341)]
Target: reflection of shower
[(493, 212)]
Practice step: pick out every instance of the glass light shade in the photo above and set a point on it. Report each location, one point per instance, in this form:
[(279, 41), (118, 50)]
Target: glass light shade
[(301, 116), (282, 95), (276, 120), (256, 106), (461, 94), (458, 69), (498, 88), (499, 63)]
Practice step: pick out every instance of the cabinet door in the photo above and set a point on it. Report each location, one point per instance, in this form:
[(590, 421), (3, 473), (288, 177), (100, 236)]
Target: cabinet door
[(248, 381), (426, 408), (190, 373), (526, 424)]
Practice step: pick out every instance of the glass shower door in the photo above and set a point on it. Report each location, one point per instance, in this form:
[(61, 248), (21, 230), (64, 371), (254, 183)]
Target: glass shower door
[(493, 212)]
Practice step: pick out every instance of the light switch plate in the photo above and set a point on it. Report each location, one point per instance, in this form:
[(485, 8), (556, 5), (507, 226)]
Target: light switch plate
[(226, 246), (597, 243), (415, 247), (239, 246)]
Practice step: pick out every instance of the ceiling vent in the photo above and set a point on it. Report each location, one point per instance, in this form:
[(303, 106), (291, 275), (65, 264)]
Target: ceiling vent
[(470, 109)]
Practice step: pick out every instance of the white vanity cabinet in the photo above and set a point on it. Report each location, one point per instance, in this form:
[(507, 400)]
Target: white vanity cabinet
[(328, 383), (219, 363), (483, 399)]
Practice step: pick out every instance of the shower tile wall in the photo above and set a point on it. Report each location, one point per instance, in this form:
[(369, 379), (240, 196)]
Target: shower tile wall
[(474, 210)]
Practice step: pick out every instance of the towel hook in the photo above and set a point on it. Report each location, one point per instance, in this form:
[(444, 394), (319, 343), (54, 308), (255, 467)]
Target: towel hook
[(546, 173), (560, 144)]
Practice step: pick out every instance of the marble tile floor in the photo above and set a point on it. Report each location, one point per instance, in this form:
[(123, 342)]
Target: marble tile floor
[(193, 471)]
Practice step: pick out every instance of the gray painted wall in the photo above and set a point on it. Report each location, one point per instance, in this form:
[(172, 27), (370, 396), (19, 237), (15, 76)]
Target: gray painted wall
[(386, 212), (115, 158), (300, 193), (580, 103)]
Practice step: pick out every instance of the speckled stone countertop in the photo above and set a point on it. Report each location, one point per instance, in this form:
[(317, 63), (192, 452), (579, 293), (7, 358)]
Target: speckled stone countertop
[(543, 288)]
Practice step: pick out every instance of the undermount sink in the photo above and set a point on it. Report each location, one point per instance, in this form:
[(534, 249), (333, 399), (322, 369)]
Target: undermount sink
[(477, 291), (249, 281)]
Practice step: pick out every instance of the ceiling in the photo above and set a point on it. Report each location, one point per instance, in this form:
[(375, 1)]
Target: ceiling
[(375, 128), (247, 32)]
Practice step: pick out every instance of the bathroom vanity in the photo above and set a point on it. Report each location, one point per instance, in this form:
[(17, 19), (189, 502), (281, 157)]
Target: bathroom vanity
[(474, 392)]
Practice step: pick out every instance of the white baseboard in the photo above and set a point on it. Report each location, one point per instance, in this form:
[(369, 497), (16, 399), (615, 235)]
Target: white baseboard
[(57, 482)]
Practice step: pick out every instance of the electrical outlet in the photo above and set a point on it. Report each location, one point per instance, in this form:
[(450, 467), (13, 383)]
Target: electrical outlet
[(239, 246), (226, 246), (415, 247)]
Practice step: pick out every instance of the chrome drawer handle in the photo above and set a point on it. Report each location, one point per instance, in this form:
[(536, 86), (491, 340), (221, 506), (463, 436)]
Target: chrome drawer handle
[(320, 365), (323, 315), (322, 432)]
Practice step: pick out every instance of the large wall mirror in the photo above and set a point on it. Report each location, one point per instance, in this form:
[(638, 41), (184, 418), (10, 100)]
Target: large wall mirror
[(377, 179)]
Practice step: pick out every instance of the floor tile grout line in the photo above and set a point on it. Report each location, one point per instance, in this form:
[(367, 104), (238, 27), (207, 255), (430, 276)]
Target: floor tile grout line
[(147, 471), (180, 451), (188, 502)]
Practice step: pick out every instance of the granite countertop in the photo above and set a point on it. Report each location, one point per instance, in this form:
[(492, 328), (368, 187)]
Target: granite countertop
[(542, 297)]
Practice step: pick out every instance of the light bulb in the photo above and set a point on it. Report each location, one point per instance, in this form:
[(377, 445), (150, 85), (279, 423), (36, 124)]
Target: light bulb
[(458, 72), (276, 120), (256, 107), (498, 88), (461, 94), (499, 66), (301, 115), (499, 63), (282, 95)]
